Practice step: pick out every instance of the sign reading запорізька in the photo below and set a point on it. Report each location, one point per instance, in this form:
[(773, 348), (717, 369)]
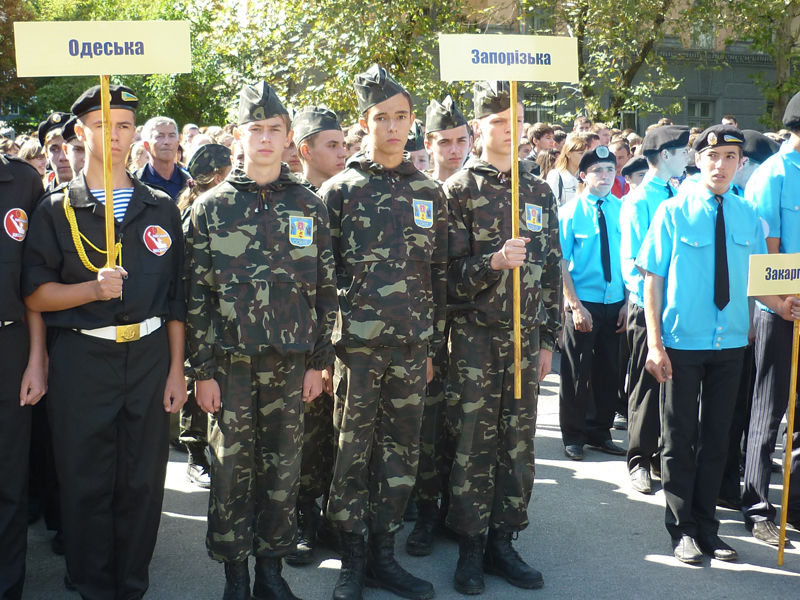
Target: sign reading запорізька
[(774, 274), (51, 48), (473, 57)]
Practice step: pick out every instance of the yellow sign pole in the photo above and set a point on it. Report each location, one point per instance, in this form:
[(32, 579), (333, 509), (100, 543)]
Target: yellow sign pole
[(108, 184), (515, 234), (787, 453)]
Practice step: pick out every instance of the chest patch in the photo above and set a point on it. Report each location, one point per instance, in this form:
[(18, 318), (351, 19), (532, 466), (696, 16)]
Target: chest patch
[(423, 213), (157, 240), (16, 224), (533, 216), (301, 231)]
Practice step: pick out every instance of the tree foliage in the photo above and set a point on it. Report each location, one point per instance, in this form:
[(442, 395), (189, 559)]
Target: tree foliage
[(12, 88)]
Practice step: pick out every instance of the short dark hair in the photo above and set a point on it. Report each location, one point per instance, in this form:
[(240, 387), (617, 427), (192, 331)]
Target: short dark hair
[(537, 130)]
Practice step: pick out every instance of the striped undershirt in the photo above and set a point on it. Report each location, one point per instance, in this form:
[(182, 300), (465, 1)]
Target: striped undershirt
[(122, 197)]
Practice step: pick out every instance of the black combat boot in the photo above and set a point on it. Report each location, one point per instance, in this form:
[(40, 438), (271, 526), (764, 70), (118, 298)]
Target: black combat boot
[(420, 540), (237, 581), (385, 572), (501, 559), (468, 578), (269, 585), (307, 514), (351, 576)]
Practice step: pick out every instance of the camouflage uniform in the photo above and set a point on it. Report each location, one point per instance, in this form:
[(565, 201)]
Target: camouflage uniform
[(389, 233), (492, 474), (262, 304)]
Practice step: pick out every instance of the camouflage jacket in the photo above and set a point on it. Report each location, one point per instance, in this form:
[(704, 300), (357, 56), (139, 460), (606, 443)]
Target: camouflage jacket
[(261, 273), (389, 232), (479, 200)]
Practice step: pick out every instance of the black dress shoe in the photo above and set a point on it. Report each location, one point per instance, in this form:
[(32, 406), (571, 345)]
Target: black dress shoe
[(730, 503), (767, 532), (609, 447), (68, 583), (574, 451), (713, 546), (686, 551)]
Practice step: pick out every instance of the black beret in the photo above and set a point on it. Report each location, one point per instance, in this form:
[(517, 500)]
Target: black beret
[(258, 102), (791, 116), (598, 155), (718, 135), (664, 138), (634, 165), (207, 158), (490, 97), (374, 86), (68, 132), (757, 146), (416, 137), (121, 97), (55, 121), (439, 117), (312, 119)]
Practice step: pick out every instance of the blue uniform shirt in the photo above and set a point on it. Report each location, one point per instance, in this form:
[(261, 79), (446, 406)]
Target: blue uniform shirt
[(638, 209), (172, 186), (679, 246), (580, 246)]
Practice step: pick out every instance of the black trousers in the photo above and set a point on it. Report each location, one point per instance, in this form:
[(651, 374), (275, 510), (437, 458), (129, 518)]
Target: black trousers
[(695, 436), (589, 356), (644, 421), (773, 352), (110, 435), (15, 431), (730, 489)]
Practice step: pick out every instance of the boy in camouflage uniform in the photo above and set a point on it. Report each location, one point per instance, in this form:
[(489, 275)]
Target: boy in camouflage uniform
[(492, 474), (389, 232), (262, 303), (320, 146)]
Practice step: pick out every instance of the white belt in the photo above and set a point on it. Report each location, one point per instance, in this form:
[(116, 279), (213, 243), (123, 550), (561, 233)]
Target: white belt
[(124, 333)]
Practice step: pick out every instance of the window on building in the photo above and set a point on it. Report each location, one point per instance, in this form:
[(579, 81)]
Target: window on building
[(539, 108), (700, 113)]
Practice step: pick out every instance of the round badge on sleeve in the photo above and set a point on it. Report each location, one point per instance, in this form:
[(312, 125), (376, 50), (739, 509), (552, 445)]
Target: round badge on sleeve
[(16, 224), (157, 240)]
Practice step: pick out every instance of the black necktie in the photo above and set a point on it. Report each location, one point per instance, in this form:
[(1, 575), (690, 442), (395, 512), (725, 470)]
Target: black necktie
[(605, 254), (670, 193), (722, 293)]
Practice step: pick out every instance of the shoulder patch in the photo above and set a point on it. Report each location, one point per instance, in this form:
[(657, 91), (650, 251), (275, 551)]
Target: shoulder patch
[(301, 231)]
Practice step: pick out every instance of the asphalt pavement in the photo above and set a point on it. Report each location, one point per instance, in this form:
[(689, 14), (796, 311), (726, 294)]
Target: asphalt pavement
[(591, 535)]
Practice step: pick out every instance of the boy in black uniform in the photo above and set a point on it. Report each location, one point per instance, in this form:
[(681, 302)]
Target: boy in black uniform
[(116, 355), (20, 385)]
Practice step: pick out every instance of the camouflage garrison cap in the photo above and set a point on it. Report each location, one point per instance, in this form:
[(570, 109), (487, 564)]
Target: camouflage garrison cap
[(259, 102), (69, 129), (718, 135), (55, 121), (416, 137), (312, 119), (374, 86), (664, 138), (791, 116), (121, 97), (446, 115), (490, 97), (207, 158)]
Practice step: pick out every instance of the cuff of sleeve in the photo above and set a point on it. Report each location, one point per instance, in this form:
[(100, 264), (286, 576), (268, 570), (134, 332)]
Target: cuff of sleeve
[(486, 267), (546, 343), (321, 358), (205, 370)]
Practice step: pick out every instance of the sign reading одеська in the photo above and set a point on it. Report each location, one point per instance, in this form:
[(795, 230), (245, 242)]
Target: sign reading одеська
[(472, 57), (70, 48), (774, 274)]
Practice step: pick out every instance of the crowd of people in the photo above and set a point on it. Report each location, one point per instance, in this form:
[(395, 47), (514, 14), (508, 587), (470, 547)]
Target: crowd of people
[(330, 310)]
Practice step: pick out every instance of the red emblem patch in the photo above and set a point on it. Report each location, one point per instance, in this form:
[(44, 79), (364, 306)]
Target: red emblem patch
[(16, 224), (157, 240)]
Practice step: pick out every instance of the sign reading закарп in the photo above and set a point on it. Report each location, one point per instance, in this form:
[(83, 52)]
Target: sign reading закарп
[(774, 274), (49, 48), (470, 57)]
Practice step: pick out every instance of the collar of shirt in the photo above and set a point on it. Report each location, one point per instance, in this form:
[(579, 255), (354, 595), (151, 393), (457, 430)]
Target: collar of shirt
[(786, 150), (174, 178), (592, 199)]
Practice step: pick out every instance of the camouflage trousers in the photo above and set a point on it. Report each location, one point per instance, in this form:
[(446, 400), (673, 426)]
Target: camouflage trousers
[(318, 449), (380, 405), (255, 439), (435, 448), (493, 468)]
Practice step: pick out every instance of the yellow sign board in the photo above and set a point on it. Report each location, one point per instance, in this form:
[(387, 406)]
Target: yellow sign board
[(774, 275), (473, 57), (52, 48)]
